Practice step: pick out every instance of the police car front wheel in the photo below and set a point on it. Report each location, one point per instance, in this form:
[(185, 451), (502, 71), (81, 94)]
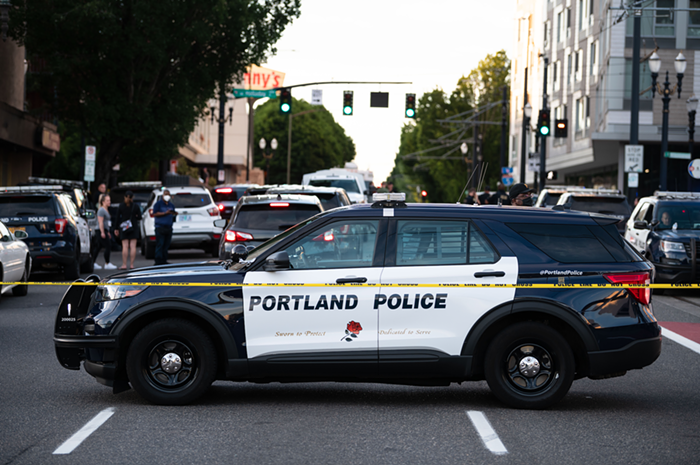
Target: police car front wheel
[(529, 365), (171, 362)]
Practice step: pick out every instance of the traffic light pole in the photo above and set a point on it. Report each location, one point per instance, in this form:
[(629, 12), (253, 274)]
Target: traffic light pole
[(634, 110), (523, 142), (503, 130), (543, 145)]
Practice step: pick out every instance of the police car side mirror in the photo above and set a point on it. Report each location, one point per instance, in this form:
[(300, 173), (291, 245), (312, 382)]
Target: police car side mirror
[(640, 224), (220, 223), (239, 252), (276, 262)]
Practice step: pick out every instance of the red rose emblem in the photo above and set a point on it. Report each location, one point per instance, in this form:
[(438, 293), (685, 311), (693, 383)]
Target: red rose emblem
[(354, 327)]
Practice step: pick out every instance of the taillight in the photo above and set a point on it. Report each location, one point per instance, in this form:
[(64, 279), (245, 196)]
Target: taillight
[(237, 236), (216, 236), (213, 211), (224, 190), (150, 212), (279, 204), (61, 224), (642, 294), (221, 207)]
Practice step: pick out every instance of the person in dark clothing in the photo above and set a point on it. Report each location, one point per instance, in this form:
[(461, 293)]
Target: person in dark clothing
[(164, 214), (484, 199), (472, 198), (521, 195), (501, 195), (127, 228)]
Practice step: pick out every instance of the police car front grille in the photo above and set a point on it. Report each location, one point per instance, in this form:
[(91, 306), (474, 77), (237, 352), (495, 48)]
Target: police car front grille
[(688, 250)]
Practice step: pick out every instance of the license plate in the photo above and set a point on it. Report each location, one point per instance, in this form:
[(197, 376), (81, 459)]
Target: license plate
[(184, 217), (16, 228)]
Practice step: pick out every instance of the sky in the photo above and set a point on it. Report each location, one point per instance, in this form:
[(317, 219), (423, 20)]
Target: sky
[(430, 44)]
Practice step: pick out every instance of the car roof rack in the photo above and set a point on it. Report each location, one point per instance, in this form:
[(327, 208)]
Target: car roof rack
[(677, 195), (388, 200), (53, 181), (22, 189)]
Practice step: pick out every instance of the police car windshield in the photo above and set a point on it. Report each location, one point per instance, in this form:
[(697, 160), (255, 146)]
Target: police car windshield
[(683, 215), (29, 205), (348, 184)]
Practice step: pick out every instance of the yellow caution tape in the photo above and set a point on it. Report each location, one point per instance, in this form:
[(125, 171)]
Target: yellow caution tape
[(527, 286)]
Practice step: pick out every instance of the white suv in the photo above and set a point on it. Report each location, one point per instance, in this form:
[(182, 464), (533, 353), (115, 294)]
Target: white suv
[(194, 225)]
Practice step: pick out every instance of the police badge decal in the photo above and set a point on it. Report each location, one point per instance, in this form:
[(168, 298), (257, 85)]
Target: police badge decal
[(352, 331)]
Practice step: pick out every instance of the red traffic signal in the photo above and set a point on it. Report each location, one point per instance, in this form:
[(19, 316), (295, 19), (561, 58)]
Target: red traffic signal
[(424, 193)]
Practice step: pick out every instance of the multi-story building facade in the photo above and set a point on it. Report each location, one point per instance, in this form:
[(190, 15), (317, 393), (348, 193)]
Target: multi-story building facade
[(588, 44)]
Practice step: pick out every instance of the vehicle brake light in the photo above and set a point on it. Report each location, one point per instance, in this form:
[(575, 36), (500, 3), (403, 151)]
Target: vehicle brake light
[(61, 224), (221, 207), (224, 190), (237, 236), (213, 211), (279, 204), (216, 236), (150, 212), (642, 294)]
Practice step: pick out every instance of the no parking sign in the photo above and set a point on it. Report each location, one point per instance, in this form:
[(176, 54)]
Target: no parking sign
[(694, 168)]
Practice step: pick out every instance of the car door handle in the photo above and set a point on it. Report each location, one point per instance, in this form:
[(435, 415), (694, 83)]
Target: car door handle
[(484, 274), (350, 280)]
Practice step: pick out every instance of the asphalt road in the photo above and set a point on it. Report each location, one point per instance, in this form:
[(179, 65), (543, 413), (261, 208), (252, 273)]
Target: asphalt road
[(648, 416)]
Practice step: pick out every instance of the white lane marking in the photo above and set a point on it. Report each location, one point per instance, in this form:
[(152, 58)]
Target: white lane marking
[(487, 433), (75, 440), (684, 341)]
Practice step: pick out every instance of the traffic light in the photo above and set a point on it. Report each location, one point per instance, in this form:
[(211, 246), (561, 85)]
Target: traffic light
[(424, 195), (561, 128), (285, 100), (544, 124), (552, 175), (410, 106), (347, 102)]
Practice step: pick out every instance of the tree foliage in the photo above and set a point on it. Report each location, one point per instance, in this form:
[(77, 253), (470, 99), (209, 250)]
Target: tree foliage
[(445, 178), (318, 142), (138, 73)]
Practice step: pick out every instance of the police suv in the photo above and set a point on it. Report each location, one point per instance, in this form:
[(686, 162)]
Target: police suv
[(417, 294)]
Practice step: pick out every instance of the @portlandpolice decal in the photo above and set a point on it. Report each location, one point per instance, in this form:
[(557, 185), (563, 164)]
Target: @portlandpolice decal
[(561, 273), (352, 331)]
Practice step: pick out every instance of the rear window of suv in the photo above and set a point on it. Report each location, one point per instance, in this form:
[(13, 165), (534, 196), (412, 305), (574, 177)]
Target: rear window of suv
[(268, 218), (573, 243), (27, 205), (190, 200), (350, 185)]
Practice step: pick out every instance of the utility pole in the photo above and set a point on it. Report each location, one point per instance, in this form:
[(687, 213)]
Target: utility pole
[(543, 144), (504, 162), (634, 110), (526, 128), (220, 174)]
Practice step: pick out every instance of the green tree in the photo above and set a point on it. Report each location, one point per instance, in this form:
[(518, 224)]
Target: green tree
[(441, 171), (137, 73), (318, 142)]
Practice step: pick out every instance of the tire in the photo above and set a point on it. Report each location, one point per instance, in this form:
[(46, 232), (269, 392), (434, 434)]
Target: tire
[(191, 351), (72, 271), (553, 370), (21, 291), (150, 250)]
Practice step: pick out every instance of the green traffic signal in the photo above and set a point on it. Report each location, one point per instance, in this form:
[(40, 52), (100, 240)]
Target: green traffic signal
[(544, 130), (347, 102), (410, 106), (285, 100), (544, 123)]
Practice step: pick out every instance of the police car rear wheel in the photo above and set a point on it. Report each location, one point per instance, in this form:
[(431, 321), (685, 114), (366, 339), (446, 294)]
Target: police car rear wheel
[(171, 362), (529, 365)]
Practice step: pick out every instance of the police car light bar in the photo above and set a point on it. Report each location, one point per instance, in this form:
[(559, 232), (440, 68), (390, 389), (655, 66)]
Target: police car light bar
[(677, 195), (53, 181), (31, 188), (587, 190), (154, 184), (389, 197)]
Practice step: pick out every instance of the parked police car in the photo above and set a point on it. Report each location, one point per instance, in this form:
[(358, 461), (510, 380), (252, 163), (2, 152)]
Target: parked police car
[(171, 343), (666, 229)]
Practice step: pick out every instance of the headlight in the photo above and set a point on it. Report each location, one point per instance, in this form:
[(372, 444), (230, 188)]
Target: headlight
[(118, 292), (668, 246)]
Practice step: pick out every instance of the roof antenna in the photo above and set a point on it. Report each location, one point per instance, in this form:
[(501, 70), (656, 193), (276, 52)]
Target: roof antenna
[(483, 176), (465, 187)]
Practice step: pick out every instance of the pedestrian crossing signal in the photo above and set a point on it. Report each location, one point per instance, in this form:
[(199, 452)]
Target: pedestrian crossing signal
[(285, 100), (410, 106), (347, 102), (561, 128)]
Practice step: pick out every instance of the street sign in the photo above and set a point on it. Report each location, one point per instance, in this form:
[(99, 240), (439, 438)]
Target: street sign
[(316, 97), (694, 168), (677, 155), (507, 180), (533, 162), (633, 180), (507, 170), (634, 158), (254, 93), (90, 157)]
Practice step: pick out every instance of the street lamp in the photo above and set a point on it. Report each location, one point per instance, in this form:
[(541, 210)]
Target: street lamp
[(527, 112), (268, 155), (220, 173), (654, 66)]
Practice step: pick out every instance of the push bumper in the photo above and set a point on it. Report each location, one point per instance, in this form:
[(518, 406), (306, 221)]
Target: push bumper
[(635, 355)]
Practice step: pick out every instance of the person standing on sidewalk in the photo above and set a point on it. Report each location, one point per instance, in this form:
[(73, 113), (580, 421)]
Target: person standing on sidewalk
[(104, 219), (164, 214), (128, 218)]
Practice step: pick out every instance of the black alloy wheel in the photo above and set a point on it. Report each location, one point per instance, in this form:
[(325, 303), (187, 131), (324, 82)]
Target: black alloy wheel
[(529, 365), (171, 362)]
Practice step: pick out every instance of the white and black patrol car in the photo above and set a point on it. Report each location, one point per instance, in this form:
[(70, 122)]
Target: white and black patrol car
[(401, 303)]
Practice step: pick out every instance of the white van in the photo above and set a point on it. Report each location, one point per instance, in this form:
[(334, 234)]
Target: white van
[(353, 183)]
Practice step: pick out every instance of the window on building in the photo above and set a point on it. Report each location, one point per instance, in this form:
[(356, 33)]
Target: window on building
[(645, 102), (590, 5), (656, 23), (580, 14), (587, 114), (576, 59), (592, 59), (568, 69), (555, 68), (568, 19), (578, 126), (559, 26), (546, 35), (694, 19)]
